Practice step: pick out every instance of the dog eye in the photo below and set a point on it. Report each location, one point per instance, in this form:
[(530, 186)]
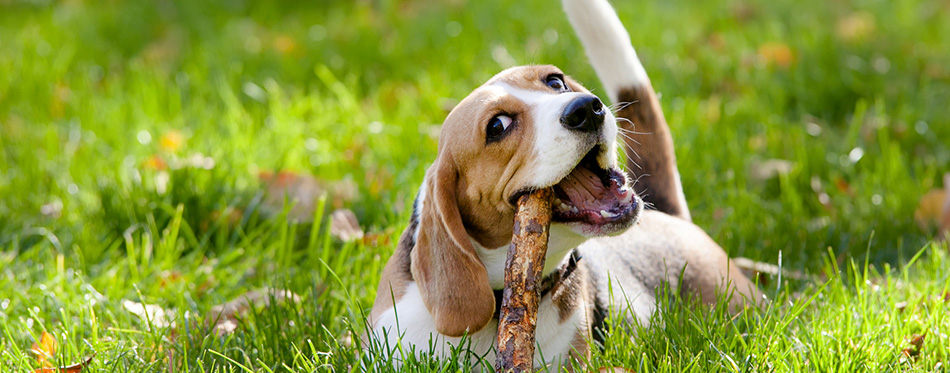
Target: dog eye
[(497, 126), (556, 82)]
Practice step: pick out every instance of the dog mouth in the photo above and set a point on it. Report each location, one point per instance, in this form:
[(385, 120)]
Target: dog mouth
[(595, 196)]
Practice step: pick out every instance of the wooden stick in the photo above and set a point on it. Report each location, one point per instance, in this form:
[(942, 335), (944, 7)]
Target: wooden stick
[(523, 273)]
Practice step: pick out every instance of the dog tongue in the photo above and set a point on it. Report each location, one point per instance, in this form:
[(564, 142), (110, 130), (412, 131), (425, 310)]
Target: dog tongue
[(583, 188)]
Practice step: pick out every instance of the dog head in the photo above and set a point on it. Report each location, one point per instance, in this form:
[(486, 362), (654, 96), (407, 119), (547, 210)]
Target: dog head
[(526, 128)]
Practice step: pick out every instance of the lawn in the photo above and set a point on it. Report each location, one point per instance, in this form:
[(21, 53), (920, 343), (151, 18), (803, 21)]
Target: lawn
[(145, 145)]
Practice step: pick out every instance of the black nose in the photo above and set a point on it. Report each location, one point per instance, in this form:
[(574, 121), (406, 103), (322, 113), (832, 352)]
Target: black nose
[(585, 113)]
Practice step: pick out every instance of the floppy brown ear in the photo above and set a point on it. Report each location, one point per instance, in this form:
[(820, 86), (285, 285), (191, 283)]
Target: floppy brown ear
[(452, 279)]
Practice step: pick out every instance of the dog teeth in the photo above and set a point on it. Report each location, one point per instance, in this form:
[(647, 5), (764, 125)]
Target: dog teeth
[(557, 201), (608, 214), (626, 197)]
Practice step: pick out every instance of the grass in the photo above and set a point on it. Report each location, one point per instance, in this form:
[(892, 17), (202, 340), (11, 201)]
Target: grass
[(134, 136)]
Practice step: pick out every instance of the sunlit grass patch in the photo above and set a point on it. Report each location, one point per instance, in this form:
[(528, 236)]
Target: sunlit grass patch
[(174, 154)]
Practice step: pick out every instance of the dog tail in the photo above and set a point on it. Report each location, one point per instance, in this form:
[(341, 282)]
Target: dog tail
[(607, 44), (648, 143)]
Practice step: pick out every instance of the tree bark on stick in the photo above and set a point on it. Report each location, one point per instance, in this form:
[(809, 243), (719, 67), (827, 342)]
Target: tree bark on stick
[(523, 273)]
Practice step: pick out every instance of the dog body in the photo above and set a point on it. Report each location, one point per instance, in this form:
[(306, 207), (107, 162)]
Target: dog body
[(532, 127)]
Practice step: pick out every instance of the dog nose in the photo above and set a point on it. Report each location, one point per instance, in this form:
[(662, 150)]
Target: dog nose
[(585, 114)]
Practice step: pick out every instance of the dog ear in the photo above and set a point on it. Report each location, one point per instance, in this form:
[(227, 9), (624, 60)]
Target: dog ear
[(451, 278)]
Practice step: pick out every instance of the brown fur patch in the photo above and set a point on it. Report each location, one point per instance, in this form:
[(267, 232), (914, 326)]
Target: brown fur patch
[(656, 157), (452, 280), (395, 278), (571, 292), (491, 173)]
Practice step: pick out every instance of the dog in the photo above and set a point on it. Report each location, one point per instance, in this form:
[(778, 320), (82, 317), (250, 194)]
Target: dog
[(534, 127)]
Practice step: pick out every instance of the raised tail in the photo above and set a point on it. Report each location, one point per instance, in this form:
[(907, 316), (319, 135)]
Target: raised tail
[(647, 140)]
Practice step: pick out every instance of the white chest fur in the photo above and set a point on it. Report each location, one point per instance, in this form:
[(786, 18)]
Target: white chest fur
[(409, 325), (560, 243)]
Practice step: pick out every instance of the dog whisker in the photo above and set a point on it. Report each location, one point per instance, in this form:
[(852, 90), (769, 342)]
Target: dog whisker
[(637, 180), (628, 137), (619, 106), (634, 125), (632, 149)]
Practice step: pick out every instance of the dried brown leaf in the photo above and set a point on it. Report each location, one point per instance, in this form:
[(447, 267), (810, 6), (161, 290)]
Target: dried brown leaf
[(376, 239), (916, 345), (152, 315), (343, 225), (75, 368), (44, 349)]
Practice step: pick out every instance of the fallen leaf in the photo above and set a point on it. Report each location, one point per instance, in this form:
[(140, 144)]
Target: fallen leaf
[(44, 349), (152, 315), (776, 54), (916, 345), (615, 370), (75, 368), (343, 225), (946, 297), (901, 306), (225, 316), (767, 169), (376, 239)]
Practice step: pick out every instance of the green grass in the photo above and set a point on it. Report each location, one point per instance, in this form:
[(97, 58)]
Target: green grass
[(353, 93)]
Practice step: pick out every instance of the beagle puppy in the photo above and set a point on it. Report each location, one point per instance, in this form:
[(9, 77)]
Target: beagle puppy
[(533, 127)]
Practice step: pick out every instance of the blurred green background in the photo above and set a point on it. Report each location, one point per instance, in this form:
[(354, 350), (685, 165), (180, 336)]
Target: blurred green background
[(142, 138)]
